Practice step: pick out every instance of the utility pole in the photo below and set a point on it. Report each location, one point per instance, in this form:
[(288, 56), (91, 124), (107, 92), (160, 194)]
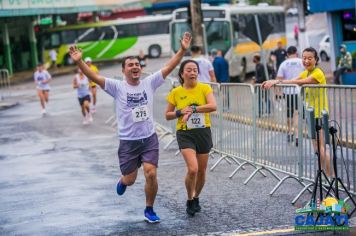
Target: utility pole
[(197, 26), (303, 38)]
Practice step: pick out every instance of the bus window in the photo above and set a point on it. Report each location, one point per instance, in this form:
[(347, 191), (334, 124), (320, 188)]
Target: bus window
[(51, 40), (127, 30), (282, 22), (163, 27), (146, 28), (243, 21), (68, 36), (87, 35), (218, 35), (108, 32), (178, 30)]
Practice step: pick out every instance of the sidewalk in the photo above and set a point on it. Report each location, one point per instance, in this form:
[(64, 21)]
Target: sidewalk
[(25, 76)]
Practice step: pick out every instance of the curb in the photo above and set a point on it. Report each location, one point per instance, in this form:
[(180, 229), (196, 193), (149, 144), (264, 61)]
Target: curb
[(7, 105), (28, 76)]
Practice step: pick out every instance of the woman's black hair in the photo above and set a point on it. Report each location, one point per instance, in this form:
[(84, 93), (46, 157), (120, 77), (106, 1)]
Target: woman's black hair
[(181, 68), (311, 49)]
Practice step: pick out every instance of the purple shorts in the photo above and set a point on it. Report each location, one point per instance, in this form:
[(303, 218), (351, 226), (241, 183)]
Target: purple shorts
[(133, 152)]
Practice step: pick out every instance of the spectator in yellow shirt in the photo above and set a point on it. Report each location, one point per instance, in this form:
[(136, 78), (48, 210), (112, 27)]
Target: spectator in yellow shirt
[(92, 85), (315, 97)]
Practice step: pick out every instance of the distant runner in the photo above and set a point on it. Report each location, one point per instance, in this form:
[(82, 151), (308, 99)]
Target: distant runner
[(42, 79)]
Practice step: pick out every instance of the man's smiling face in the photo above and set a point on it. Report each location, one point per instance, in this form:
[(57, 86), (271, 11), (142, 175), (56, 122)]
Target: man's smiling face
[(132, 69)]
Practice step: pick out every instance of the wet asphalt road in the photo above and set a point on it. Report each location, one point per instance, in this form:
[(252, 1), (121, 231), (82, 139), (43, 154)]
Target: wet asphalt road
[(58, 177)]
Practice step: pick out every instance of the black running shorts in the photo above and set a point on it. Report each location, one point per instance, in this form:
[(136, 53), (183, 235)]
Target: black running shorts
[(198, 139)]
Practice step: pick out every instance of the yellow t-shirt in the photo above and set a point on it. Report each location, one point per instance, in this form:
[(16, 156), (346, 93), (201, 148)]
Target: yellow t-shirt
[(95, 69), (316, 97), (181, 98)]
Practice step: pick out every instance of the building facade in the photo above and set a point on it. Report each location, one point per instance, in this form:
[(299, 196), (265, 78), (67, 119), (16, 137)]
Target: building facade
[(341, 17)]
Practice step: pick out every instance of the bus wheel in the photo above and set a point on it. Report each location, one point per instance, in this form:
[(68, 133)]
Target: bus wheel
[(68, 60), (324, 56), (243, 66), (154, 51)]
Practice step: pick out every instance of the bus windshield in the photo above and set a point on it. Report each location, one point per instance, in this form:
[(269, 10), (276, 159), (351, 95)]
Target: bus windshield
[(217, 35)]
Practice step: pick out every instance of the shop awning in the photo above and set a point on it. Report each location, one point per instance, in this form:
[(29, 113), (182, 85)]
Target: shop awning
[(11, 8)]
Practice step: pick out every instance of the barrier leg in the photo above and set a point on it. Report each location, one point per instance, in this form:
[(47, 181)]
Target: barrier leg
[(169, 143), (236, 161), (218, 161), (237, 169), (111, 118), (163, 135), (284, 179), (253, 174), (301, 192), (177, 152), (227, 160)]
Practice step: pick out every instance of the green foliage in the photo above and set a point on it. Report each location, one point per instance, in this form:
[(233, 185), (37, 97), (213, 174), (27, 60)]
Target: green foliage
[(353, 54), (255, 2)]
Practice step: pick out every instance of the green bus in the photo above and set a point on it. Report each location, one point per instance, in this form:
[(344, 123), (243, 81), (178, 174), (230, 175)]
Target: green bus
[(109, 40)]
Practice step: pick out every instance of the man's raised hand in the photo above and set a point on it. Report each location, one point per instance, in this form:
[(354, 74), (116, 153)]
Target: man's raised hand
[(75, 53), (186, 40)]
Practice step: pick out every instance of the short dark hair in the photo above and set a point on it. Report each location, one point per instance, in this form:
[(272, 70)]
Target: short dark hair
[(128, 58), (195, 48), (292, 50), (181, 68), (257, 58)]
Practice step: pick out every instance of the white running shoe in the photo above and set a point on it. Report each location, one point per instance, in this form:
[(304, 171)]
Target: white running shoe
[(43, 112), (90, 117), (85, 121)]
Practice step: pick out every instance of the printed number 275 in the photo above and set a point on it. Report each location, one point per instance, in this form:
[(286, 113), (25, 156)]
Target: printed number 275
[(140, 114)]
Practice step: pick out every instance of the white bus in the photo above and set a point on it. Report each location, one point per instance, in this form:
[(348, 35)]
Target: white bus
[(107, 40), (225, 27)]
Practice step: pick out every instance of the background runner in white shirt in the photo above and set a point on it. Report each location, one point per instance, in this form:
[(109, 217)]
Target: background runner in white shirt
[(81, 84), (42, 79), (206, 69), (290, 69)]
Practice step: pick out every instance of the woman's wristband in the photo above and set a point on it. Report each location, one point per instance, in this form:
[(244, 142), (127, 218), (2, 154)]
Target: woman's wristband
[(178, 113), (194, 107)]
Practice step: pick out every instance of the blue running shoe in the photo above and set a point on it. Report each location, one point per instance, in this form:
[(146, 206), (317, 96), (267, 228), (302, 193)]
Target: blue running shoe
[(120, 188), (150, 216)]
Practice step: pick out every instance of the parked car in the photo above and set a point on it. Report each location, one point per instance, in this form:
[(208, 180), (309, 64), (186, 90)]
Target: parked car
[(324, 48), (293, 11)]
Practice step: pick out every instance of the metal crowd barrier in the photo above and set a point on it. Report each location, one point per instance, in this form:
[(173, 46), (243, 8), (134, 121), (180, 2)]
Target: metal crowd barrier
[(164, 128), (5, 84), (111, 120), (338, 103), (268, 130)]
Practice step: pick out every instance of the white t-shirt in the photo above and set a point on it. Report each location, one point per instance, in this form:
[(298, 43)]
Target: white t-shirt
[(53, 55), (204, 67), (41, 76), (290, 69), (83, 86), (134, 105)]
